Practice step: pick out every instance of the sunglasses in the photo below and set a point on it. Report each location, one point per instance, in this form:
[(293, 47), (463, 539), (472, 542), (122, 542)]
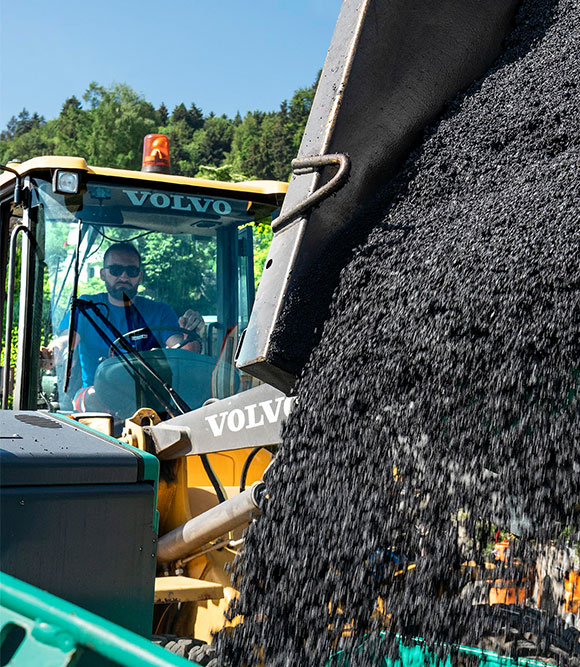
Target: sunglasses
[(117, 270)]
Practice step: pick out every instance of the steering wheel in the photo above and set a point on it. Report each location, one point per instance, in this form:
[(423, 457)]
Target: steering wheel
[(190, 336)]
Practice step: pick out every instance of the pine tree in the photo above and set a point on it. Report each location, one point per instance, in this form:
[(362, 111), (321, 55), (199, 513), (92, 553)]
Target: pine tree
[(163, 114), (72, 128), (19, 125)]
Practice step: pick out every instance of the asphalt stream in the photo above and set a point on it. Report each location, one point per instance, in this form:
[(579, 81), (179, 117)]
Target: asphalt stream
[(441, 406)]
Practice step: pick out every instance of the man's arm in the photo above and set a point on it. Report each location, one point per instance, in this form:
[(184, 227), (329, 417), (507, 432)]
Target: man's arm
[(192, 321), (52, 354)]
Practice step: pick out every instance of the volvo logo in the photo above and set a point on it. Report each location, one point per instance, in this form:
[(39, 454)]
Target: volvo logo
[(177, 202), (250, 416)]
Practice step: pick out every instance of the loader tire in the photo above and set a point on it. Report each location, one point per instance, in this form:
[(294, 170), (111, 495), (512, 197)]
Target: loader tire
[(205, 656), (194, 650), (183, 646)]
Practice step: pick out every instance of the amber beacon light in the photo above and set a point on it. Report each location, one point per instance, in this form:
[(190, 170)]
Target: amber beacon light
[(156, 154)]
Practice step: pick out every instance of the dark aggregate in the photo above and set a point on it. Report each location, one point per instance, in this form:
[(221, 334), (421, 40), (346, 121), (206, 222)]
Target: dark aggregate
[(451, 354)]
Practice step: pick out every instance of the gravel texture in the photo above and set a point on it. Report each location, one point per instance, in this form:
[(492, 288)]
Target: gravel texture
[(442, 401)]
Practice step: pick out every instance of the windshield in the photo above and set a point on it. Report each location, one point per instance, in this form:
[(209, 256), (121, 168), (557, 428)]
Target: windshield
[(164, 281)]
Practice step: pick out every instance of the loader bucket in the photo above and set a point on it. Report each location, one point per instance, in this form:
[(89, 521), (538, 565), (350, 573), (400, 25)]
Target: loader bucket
[(391, 66)]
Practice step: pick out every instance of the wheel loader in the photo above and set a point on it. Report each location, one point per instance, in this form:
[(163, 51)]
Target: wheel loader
[(134, 506), (82, 512)]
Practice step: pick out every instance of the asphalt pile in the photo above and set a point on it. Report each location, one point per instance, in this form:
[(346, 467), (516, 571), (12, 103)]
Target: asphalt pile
[(441, 406)]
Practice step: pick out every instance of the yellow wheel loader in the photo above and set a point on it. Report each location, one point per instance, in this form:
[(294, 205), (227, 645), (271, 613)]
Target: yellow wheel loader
[(85, 496), (131, 484)]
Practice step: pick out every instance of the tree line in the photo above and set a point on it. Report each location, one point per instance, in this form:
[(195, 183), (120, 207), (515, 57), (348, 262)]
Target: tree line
[(108, 127)]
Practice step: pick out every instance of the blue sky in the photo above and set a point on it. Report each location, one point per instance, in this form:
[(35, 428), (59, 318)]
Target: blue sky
[(224, 55)]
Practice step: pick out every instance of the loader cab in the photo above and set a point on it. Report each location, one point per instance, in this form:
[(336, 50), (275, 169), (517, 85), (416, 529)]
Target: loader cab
[(196, 240)]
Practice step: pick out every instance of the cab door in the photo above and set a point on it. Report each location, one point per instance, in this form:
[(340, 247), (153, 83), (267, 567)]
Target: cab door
[(25, 301)]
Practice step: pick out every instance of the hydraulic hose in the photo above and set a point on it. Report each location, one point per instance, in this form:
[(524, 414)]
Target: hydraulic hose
[(246, 467)]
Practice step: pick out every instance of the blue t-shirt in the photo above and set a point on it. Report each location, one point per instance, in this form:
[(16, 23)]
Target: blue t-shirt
[(142, 313)]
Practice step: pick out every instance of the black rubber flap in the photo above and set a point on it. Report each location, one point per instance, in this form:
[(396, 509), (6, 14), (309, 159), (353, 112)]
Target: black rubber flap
[(40, 449)]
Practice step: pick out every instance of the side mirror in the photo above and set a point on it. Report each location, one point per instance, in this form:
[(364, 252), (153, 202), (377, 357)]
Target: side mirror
[(18, 185)]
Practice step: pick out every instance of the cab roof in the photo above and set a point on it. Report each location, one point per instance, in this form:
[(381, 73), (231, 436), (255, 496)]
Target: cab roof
[(276, 189)]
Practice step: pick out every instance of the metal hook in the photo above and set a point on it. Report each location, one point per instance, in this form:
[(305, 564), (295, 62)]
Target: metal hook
[(307, 165)]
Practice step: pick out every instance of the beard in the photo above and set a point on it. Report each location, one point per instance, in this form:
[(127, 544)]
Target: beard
[(122, 293)]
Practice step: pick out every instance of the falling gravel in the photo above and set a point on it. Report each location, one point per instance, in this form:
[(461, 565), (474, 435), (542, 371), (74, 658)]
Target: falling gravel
[(439, 413)]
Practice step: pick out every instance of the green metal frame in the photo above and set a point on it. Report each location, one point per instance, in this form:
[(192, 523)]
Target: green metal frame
[(54, 629), (419, 655)]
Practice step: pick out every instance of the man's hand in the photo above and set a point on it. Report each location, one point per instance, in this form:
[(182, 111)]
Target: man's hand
[(53, 354), (46, 358), (192, 321)]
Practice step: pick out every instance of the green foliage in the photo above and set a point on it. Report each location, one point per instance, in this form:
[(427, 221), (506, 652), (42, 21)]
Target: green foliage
[(118, 119), (179, 270), (21, 124), (72, 128), (298, 111), (262, 229), (224, 173), (34, 142), (107, 129), (163, 114), (194, 263), (14, 347), (216, 139), (180, 129), (264, 144), (108, 132), (262, 240)]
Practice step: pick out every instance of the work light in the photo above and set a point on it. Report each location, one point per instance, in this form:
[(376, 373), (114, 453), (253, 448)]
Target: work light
[(65, 182)]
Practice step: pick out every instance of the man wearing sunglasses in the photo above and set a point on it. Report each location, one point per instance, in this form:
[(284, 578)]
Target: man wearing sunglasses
[(126, 311)]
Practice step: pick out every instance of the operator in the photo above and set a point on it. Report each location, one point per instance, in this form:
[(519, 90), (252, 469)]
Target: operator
[(127, 312)]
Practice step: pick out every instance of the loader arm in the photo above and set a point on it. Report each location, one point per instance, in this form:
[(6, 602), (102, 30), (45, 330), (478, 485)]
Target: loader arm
[(391, 66), (252, 418)]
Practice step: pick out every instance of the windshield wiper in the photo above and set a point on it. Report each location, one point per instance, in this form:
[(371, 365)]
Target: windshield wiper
[(136, 372), (84, 306), (73, 309)]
